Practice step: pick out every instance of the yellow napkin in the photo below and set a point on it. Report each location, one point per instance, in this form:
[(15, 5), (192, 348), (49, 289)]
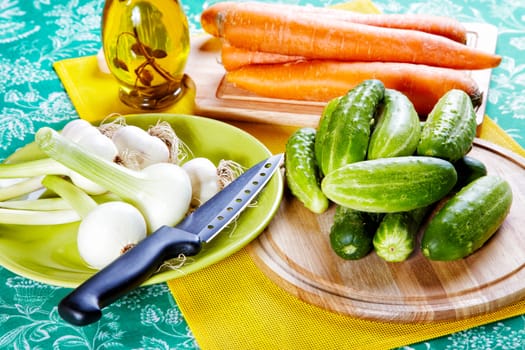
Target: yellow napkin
[(490, 131), (232, 304), (95, 94)]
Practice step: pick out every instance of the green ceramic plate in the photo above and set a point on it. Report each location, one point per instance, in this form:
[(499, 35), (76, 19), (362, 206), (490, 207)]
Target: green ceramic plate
[(48, 253)]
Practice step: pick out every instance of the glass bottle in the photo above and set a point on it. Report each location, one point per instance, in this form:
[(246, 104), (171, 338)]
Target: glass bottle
[(146, 46)]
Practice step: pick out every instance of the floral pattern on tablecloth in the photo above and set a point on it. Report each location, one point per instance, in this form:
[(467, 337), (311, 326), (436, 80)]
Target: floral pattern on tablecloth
[(29, 320), (36, 33)]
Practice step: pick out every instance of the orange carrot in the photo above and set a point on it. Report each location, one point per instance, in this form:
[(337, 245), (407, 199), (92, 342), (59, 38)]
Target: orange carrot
[(439, 25), (233, 57), (322, 80), (265, 29)]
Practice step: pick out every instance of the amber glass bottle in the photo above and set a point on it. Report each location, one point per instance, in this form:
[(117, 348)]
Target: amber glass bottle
[(146, 45)]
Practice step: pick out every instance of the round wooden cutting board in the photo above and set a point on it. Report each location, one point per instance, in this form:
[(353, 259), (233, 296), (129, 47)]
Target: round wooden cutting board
[(295, 253)]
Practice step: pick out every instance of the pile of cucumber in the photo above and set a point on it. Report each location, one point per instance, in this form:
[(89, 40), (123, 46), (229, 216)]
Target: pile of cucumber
[(391, 176)]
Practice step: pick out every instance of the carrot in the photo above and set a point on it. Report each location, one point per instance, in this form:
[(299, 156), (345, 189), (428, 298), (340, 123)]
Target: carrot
[(233, 57), (323, 80), (439, 25), (261, 28)]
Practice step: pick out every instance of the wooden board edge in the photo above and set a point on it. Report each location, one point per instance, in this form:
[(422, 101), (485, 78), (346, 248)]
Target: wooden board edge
[(373, 311)]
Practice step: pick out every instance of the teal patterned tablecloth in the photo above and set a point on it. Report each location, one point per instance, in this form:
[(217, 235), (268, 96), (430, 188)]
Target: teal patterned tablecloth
[(36, 33)]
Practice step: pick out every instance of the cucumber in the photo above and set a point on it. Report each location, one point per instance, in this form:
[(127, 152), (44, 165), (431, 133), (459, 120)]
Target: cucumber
[(468, 219), (450, 128), (390, 184), (395, 238), (468, 169), (322, 128), (302, 173), (351, 233), (344, 135), (397, 130)]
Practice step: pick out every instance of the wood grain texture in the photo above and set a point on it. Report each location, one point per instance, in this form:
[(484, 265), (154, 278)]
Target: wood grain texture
[(295, 253), (220, 100)]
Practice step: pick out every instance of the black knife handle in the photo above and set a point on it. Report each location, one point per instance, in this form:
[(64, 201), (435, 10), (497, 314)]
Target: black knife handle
[(84, 304)]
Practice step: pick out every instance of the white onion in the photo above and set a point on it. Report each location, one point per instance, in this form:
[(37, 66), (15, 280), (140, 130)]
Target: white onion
[(88, 136), (137, 149), (108, 231), (204, 179)]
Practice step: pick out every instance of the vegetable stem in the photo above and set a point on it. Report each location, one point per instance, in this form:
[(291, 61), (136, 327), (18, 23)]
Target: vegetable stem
[(37, 217), (21, 188), (53, 203), (109, 175), (80, 201), (32, 168), (37, 204)]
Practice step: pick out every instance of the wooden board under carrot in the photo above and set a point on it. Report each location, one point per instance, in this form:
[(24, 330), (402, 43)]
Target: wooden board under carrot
[(216, 98)]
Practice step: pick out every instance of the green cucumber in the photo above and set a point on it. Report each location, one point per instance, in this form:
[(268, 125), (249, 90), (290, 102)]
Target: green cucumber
[(395, 238), (351, 233), (468, 169), (322, 128), (390, 184), (450, 128), (468, 219), (344, 133), (302, 173), (397, 130)]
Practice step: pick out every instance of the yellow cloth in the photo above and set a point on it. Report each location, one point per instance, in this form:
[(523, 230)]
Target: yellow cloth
[(95, 94), (490, 131), (232, 304)]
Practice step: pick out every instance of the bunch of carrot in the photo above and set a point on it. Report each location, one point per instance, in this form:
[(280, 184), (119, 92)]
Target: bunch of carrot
[(316, 54)]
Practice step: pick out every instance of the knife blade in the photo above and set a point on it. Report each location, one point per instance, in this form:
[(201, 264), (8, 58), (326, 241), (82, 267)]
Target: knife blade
[(84, 304)]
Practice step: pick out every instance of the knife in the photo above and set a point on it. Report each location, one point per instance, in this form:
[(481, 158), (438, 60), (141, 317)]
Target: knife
[(84, 304)]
